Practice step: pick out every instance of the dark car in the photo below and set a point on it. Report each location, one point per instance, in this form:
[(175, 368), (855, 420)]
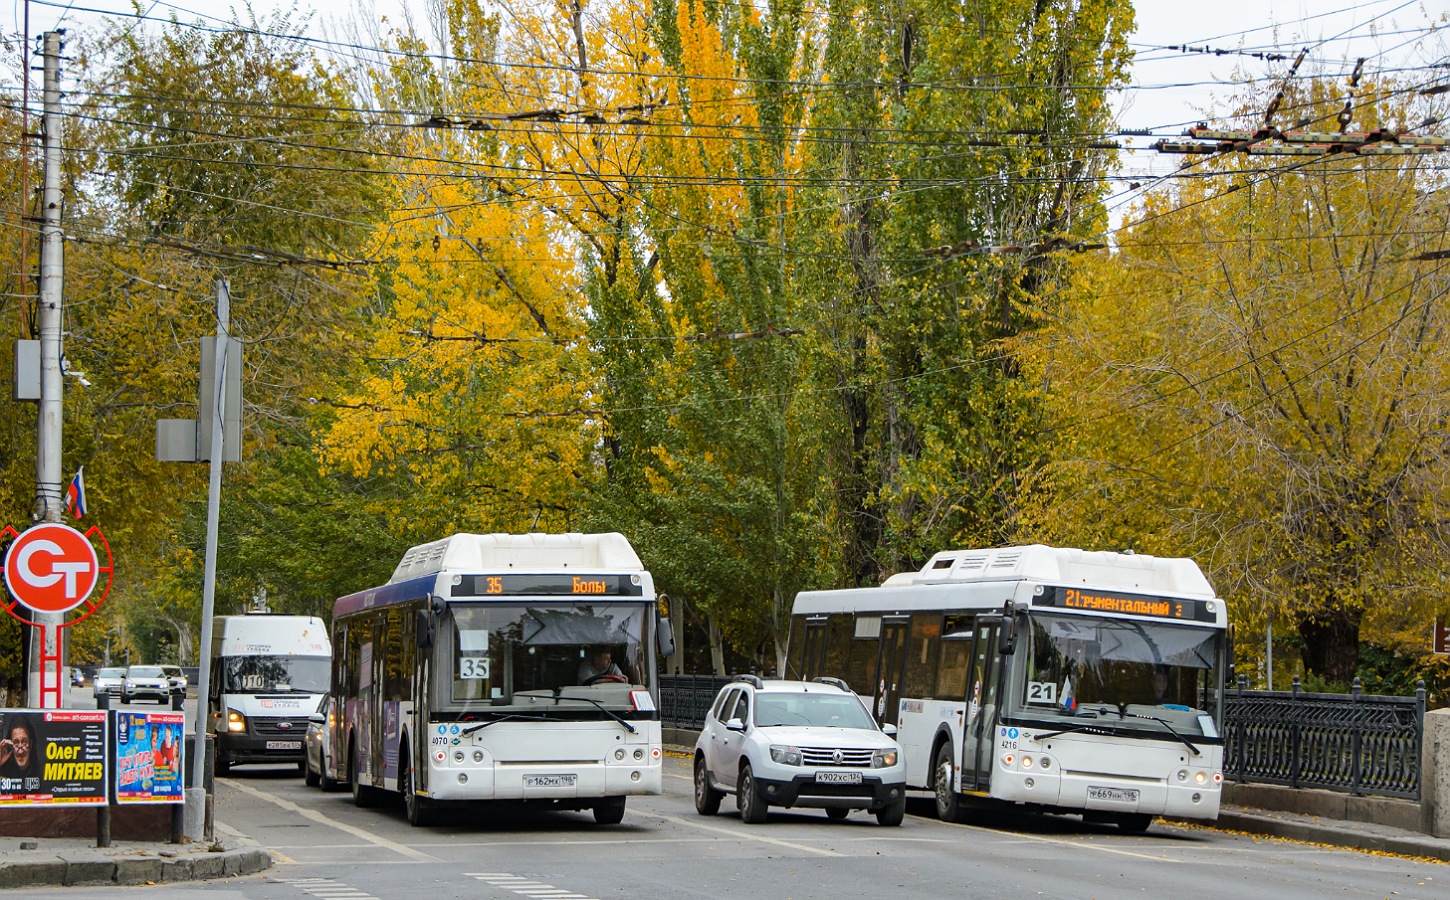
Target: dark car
[(320, 769)]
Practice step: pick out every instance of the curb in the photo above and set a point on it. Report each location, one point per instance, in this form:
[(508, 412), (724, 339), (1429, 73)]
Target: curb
[(1333, 835), (136, 864)]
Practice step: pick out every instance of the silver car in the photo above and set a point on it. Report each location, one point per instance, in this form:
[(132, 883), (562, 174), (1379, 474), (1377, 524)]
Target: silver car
[(320, 769), (108, 681), (146, 682)]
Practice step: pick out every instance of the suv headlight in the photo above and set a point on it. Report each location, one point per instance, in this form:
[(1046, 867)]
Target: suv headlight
[(236, 721), (881, 759), (786, 756)]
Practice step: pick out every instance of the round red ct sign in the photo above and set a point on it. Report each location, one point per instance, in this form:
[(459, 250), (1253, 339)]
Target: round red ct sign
[(51, 568)]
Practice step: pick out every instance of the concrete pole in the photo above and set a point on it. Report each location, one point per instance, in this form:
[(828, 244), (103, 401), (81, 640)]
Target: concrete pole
[(48, 448), (196, 794)]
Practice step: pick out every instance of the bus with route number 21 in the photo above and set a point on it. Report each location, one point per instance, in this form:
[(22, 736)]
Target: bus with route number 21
[(1052, 679), (470, 676)]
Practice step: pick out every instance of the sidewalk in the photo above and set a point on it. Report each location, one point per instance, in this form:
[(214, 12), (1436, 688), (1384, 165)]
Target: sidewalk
[(65, 861), (1334, 832)]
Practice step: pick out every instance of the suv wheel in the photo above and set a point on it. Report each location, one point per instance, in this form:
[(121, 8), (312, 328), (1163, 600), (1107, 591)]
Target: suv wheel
[(892, 813), (948, 806), (707, 799), (753, 807)]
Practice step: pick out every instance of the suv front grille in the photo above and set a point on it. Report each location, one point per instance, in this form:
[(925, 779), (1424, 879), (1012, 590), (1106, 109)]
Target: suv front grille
[(826, 756)]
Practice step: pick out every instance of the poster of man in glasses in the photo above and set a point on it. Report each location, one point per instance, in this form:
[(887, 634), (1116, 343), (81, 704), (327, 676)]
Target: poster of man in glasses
[(52, 757)]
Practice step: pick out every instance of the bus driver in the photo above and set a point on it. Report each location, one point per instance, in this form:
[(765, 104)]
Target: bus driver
[(599, 666)]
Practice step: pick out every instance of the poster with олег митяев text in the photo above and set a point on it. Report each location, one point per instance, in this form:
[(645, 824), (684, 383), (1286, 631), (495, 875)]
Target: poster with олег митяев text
[(149, 755), (53, 757)]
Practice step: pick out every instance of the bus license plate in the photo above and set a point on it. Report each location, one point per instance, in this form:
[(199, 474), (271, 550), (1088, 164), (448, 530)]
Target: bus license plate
[(838, 778), (284, 745), (549, 781), (1113, 795)]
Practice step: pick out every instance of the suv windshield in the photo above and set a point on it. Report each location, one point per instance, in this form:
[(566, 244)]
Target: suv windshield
[(780, 708), (508, 657), (144, 672), (1125, 669)]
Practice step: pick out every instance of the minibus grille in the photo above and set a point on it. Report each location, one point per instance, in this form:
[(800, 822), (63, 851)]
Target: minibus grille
[(293, 727)]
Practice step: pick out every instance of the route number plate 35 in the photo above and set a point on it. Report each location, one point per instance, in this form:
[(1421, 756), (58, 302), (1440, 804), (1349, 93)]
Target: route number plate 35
[(1113, 795)]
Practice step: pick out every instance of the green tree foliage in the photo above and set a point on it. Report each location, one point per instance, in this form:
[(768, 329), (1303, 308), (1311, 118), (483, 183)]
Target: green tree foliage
[(1256, 379)]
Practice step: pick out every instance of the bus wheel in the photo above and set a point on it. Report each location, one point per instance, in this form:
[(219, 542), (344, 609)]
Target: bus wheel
[(362, 794), (419, 810), (707, 799), (948, 804), (1134, 823), (609, 811)]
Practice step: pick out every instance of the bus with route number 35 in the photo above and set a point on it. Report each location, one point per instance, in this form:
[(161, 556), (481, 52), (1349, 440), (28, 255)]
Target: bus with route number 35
[(1053, 679), (471, 675)]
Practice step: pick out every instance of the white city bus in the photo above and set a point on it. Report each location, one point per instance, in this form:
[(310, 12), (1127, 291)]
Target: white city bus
[(469, 676), (1054, 679)]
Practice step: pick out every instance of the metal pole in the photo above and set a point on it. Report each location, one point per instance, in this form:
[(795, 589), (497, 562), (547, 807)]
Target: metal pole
[(47, 447), (196, 794), (1269, 635)]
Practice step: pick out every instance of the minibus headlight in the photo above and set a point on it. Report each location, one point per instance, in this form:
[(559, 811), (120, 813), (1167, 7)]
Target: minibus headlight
[(881, 759), (236, 721), (786, 756)]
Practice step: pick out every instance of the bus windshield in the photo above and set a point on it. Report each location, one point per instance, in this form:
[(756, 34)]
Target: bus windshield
[(1136, 673), (276, 674), (541, 657)]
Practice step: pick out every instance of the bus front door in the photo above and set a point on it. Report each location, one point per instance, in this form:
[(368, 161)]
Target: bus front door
[(979, 729), (890, 669)]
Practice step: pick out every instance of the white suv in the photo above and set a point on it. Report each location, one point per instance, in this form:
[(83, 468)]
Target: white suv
[(797, 743)]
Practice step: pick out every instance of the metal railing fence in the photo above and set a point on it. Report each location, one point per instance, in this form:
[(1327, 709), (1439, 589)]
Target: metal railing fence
[(1355, 743), (685, 699)]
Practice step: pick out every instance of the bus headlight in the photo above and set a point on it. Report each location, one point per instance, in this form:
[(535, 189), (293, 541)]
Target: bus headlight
[(1200, 777), (786, 756), (236, 721), (1026, 762), (619, 754), (1182, 774)]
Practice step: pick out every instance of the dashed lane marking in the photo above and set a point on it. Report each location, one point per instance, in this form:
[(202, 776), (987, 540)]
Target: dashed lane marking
[(526, 887), (326, 888)]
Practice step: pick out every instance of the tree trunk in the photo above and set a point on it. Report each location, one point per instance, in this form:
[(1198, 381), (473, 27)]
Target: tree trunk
[(717, 644), (1331, 644)]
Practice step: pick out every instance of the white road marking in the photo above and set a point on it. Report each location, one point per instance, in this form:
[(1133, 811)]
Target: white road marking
[(340, 826), (526, 887), (326, 888), (745, 835)]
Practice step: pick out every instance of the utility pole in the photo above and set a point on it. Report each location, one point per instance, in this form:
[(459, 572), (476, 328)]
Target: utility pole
[(48, 506)]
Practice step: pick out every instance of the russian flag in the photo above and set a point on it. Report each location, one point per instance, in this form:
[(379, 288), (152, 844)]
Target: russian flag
[(1069, 702), (75, 495)]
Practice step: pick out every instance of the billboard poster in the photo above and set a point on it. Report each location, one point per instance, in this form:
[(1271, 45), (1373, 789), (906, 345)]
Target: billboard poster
[(53, 757), (149, 767)]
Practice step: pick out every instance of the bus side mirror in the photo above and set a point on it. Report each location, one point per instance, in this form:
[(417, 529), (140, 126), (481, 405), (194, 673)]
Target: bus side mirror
[(1007, 633), (664, 637), (425, 630)]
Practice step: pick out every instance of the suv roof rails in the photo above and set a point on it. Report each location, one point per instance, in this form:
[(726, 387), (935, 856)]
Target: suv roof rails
[(752, 680), (836, 682)]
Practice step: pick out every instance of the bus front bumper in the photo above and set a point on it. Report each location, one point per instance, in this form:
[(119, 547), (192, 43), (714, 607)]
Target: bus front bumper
[(544, 781), (1106, 793)]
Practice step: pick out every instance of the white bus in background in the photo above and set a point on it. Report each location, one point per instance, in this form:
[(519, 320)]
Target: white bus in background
[(474, 674), (1053, 679), (268, 674)]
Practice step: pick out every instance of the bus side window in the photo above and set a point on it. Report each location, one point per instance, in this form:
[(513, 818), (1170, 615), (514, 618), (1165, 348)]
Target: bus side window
[(922, 656), (951, 677), (838, 647)]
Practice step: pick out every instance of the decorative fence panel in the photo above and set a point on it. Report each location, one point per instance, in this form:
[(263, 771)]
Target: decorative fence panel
[(1340, 742), (685, 699)]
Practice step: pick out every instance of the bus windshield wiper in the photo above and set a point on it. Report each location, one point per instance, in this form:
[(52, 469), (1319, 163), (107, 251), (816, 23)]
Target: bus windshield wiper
[(508, 717), (559, 695), (1164, 722), (1095, 728)]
